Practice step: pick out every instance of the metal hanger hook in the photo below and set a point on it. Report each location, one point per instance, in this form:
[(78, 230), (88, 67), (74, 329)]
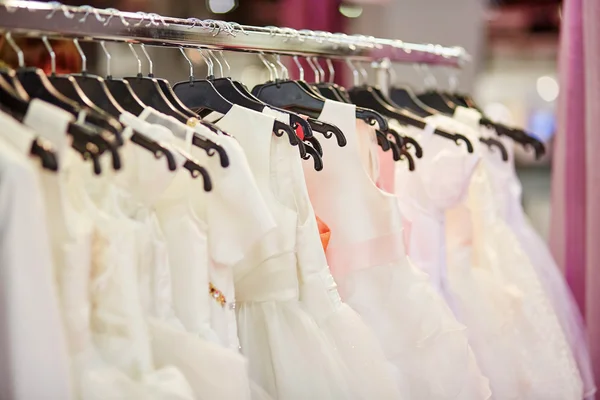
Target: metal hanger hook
[(363, 72), (209, 63), (88, 10), (212, 56), (189, 62), (58, 6), (139, 62), (331, 70), (108, 59), (150, 63), (235, 26), (220, 52), (17, 49), (269, 66), (320, 68), (314, 68), (300, 69), (284, 71), (82, 55), (355, 73), (52, 55), (113, 12)]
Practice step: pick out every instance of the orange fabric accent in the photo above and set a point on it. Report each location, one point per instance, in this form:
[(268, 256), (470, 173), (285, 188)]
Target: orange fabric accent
[(324, 232)]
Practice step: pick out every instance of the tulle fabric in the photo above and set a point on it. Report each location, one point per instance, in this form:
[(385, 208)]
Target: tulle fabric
[(507, 191), (516, 335), (213, 372), (287, 354), (417, 330)]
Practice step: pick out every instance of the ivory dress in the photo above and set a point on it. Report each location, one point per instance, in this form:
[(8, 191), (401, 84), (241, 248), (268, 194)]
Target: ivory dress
[(206, 365), (507, 192), (514, 331), (417, 331), (95, 255), (289, 355)]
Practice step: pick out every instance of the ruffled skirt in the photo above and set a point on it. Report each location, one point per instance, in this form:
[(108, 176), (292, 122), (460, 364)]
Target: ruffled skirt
[(289, 356), (417, 331)]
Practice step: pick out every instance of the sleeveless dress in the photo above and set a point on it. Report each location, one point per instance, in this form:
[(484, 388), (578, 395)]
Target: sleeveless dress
[(423, 198), (507, 192), (515, 333), (206, 365), (95, 258), (414, 326), (371, 374), (289, 356)]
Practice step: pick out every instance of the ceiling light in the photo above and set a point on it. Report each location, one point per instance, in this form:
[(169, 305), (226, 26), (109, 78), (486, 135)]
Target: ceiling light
[(350, 11)]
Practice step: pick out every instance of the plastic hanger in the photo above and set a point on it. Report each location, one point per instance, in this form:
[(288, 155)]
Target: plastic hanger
[(149, 92), (16, 106), (68, 86), (289, 94), (369, 96), (87, 140)]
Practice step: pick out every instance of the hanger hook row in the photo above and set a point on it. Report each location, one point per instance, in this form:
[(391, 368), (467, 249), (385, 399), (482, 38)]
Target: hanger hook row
[(196, 21), (160, 17), (113, 12), (58, 6), (240, 27), (89, 9)]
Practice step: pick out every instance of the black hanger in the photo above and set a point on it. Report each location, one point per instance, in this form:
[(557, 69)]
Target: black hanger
[(11, 102), (367, 96), (44, 151), (197, 170), (120, 89), (492, 142), (404, 97), (156, 148), (289, 94), (316, 156), (437, 101), (314, 142), (295, 119)]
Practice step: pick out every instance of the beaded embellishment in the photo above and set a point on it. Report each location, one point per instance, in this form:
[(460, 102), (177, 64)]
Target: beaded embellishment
[(217, 295)]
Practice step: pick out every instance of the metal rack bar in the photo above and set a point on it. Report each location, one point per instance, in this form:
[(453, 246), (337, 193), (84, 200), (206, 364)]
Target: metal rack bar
[(31, 18)]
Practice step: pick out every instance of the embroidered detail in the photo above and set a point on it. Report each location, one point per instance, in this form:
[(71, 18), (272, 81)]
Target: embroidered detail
[(217, 295)]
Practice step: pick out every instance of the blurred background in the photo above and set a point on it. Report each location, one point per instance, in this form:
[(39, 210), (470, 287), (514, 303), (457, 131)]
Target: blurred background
[(512, 73)]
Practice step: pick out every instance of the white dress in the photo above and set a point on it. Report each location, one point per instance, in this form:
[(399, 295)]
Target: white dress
[(507, 193), (424, 197), (109, 352), (372, 375), (514, 331), (207, 366), (289, 356), (34, 357), (416, 329)]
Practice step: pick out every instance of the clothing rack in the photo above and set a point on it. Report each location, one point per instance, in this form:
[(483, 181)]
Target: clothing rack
[(54, 20)]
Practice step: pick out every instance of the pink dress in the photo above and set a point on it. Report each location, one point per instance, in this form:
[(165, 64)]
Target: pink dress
[(416, 329)]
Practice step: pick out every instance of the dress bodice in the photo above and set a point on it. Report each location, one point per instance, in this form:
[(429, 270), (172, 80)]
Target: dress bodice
[(267, 272), (360, 237), (424, 197)]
